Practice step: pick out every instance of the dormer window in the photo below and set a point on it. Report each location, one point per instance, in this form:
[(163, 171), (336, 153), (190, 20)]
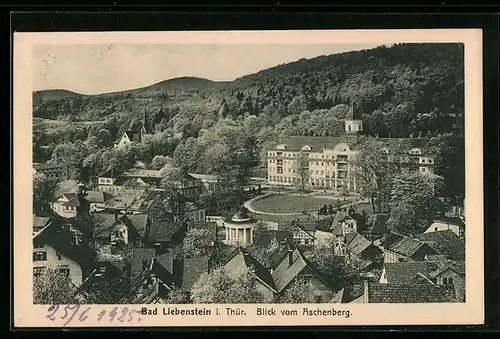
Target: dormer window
[(415, 151), (306, 148)]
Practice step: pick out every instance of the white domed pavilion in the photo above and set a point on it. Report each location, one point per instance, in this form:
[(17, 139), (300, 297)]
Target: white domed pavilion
[(239, 230)]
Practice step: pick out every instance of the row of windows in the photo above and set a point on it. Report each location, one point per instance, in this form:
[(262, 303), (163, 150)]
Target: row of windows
[(42, 256), (312, 182), (312, 156), (39, 270)]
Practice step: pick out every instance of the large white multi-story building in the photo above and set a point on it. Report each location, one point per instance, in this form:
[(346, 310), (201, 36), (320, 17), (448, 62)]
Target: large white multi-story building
[(331, 161)]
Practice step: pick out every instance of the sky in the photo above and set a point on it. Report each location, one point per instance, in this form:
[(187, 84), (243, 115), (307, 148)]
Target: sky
[(94, 69)]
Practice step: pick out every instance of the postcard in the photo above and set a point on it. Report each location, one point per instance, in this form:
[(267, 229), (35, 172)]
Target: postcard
[(248, 178)]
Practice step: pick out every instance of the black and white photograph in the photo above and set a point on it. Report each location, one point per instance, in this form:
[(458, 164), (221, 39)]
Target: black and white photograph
[(246, 173)]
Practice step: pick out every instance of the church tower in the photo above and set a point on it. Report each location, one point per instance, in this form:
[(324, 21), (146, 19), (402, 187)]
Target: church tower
[(353, 122)]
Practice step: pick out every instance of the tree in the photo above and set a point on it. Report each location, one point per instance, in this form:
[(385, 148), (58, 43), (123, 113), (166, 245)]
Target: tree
[(44, 189), (104, 137), (301, 291), (176, 296), (106, 290), (333, 266), (158, 162), (220, 287), (302, 170), (51, 287), (197, 243), (374, 169), (414, 202)]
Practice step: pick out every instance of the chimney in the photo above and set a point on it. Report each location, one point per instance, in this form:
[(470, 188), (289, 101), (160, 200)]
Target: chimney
[(290, 257), (366, 299)]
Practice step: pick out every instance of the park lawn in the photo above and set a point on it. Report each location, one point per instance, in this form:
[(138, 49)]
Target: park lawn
[(281, 203)]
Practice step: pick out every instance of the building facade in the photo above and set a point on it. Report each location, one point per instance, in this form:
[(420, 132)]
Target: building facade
[(330, 162), (52, 171)]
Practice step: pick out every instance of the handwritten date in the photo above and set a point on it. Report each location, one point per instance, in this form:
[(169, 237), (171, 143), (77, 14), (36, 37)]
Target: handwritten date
[(71, 312)]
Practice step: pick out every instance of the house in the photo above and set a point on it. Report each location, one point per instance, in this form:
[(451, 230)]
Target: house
[(293, 266), (445, 243), (97, 200), (329, 160), (130, 201), (129, 137), (303, 233), (194, 211), (124, 229), (59, 247), (71, 204), (39, 223), (375, 226), (52, 171), (108, 181), (403, 272), (451, 273), (345, 222), (399, 248), (455, 224), (406, 293), (164, 234), (242, 262), (360, 248)]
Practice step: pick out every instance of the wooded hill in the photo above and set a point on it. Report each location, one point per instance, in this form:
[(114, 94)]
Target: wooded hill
[(404, 89)]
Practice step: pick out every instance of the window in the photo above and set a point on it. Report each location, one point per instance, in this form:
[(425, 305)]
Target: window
[(64, 271), (450, 280), (435, 229), (38, 271), (37, 245), (58, 255), (39, 256)]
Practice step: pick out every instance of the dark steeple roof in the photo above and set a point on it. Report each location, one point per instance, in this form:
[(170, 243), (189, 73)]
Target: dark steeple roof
[(354, 113), (241, 216)]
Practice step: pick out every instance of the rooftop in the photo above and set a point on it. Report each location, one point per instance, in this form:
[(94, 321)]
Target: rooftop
[(410, 293), (445, 243)]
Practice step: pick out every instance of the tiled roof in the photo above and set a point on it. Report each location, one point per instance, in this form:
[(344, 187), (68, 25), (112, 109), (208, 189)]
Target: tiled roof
[(137, 257), (405, 272), (97, 196), (40, 221), (358, 245), (451, 220), (457, 266), (62, 239), (285, 273), (401, 244), (410, 293), (242, 262), (72, 199), (110, 173), (129, 198), (445, 243), (193, 268), (162, 230), (421, 279), (350, 237), (138, 221)]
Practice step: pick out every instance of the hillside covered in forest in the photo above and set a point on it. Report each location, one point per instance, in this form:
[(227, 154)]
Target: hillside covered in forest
[(406, 90)]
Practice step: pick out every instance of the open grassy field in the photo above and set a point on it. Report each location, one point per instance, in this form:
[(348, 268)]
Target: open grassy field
[(291, 203)]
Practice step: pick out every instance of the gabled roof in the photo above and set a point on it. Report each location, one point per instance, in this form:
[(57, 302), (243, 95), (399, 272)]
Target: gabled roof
[(445, 243), (457, 266), (111, 173), (193, 268), (401, 244), (410, 293), (421, 279), (40, 221), (405, 272), (60, 237), (164, 230), (133, 135), (358, 244), (451, 220), (340, 297), (350, 237), (97, 196), (243, 262), (72, 199), (137, 221), (285, 273)]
